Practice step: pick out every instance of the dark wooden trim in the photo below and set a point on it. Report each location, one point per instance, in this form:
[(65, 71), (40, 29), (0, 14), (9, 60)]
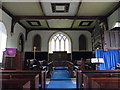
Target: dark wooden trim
[(76, 13), (41, 8), (6, 11), (22, 25), (60, 29), (59, 17), (72, 23), (114, 9), (44, 14), (26, 33), (12, 25)]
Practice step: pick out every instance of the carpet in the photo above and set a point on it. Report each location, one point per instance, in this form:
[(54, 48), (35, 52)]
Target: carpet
[(60, 74), (60, 79)]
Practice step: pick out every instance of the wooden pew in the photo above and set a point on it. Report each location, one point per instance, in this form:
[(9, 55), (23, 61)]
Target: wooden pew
[(4, 76), (33, 78), (70, 68), (43, 82), (27, 74), (105, 83), (15, 84), (83, 77)]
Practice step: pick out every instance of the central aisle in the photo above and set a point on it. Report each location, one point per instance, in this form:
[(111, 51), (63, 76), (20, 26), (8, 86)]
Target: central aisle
[(60, 79)]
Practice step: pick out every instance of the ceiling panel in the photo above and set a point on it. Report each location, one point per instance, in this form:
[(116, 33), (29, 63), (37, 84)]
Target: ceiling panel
[(84, 23), (60, 23), (95, 8), (47, 8), (23, 8), (32, 21)]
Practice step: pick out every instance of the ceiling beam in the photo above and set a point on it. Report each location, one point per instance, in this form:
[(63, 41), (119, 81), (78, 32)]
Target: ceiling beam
[(60, 29), (114, 9), (6, 11), (58, 17), (76, 13), (43, 14)]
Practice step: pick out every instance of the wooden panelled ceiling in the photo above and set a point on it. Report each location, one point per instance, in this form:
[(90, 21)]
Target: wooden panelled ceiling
[(62, 15)]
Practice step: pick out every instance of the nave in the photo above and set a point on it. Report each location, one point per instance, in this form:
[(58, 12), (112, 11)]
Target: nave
[(59, 44)]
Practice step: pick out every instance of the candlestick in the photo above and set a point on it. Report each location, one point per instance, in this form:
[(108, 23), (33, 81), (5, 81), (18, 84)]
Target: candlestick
[(34, 51)]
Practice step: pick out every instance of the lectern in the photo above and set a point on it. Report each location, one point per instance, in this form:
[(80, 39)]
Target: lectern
[(97, 61)]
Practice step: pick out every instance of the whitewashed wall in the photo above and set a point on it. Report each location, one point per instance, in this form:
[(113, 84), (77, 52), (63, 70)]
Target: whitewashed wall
[(112, 19), (45, 36), (12, 41)]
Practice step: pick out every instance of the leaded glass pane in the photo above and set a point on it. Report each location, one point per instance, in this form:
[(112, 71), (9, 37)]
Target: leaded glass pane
[(59, 43)]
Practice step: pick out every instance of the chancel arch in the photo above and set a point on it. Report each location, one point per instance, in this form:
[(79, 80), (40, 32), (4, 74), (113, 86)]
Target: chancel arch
[(59, 42), (37, 42), (82, 42), (3, 39)]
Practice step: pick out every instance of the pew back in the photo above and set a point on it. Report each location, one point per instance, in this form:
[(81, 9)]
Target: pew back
[(83, 77), (105, 83), (15, 84), (35, 77)]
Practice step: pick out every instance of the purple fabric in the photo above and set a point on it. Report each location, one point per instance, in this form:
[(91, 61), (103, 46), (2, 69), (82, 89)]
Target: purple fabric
[(10, 52)]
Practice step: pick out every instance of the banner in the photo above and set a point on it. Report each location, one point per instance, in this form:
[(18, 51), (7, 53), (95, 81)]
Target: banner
[(10, 52), (111, 58)]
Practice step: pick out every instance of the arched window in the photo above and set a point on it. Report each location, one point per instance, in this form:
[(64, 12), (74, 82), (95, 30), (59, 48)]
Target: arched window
[(82, 42), (3, 40), (59, 42), (21, 43), (37, 42)]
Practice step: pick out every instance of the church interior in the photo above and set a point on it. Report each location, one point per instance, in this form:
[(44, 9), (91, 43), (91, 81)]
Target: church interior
[(59, 44)]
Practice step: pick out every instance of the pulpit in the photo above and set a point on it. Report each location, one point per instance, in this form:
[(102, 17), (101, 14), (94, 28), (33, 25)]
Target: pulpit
[(12, 61)]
